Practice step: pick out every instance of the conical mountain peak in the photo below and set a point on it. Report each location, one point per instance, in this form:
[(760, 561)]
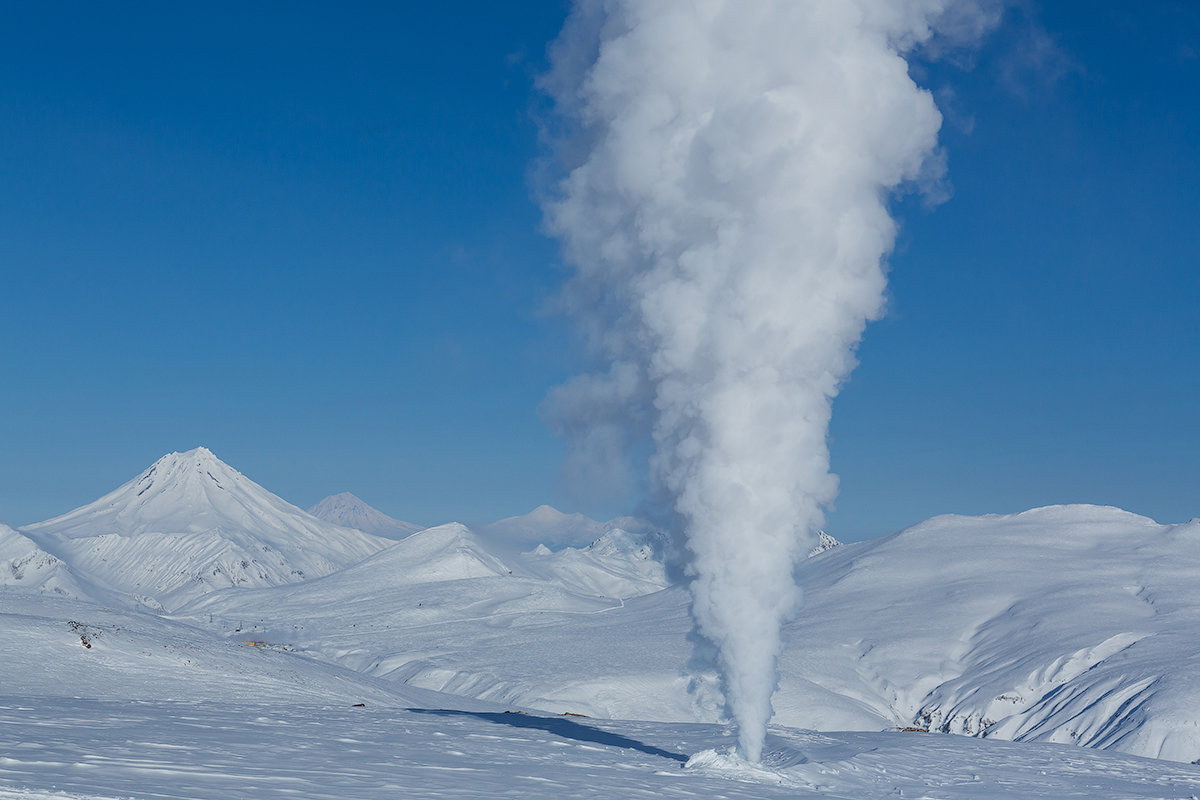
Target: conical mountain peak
[(173, 468), (178, 493), (191, 523), (349, 510)]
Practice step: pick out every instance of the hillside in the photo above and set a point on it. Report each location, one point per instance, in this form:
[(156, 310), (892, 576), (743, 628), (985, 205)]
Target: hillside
[(1065, 624), (1073, 624)]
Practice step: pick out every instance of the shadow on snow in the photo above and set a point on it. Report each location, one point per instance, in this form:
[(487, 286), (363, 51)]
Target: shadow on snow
[(559, 726)]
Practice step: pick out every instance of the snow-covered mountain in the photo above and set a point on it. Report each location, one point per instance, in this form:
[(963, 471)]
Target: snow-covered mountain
[(1074, 624), (191, 524), (24, 564), (319, 689), (1066, 624), (545, 525), (619, 563), (349, 511), (443, 553)]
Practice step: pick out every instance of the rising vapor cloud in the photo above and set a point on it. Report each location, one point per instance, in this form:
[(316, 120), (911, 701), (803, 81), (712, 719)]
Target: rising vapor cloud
[(722, 202)]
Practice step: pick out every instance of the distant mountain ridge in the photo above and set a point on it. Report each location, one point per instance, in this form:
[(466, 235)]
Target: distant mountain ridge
[(618, 563), (556, 529), (349, 511)]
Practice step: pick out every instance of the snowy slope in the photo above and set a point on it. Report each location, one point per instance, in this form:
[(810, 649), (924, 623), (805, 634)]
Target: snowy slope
[(435, 610), (1076, 624), (1067, 624), (53, 646), (99, 704), (191, 524), (1071, 624), (507, 638), (24, 564), (443, 553), (155, 708), (348, 511)]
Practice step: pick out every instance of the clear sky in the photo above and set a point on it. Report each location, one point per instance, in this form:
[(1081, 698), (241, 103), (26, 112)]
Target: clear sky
[(303, 235)]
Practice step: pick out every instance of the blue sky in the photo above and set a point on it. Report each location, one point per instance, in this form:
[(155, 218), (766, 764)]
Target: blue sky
[(303, 235)]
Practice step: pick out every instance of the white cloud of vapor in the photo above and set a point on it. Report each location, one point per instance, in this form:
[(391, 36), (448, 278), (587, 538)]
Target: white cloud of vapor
[(724, 209)]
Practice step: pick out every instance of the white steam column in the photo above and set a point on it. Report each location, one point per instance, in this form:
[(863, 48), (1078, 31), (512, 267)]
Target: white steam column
[(724, 208)]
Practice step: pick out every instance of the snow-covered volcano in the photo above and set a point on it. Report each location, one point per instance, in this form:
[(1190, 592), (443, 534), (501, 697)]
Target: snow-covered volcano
[(350, 511), (191, 524)]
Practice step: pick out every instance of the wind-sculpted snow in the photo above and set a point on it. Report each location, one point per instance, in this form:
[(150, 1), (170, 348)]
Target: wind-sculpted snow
[(444, 553), (437, 611), (191, 524)]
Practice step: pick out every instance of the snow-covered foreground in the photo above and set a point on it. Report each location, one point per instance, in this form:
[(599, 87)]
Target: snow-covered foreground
[(193, 635), (73, 749), (1071, 624)]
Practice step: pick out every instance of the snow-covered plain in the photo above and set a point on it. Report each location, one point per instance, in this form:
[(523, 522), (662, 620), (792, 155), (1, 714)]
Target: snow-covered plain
[(75, 749), (1058, 627)]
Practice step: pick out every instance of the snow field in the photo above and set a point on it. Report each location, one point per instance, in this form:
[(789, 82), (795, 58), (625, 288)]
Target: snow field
[(91, 749), (130, 668)]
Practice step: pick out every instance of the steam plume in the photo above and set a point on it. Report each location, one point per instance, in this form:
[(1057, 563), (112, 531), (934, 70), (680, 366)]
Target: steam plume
[(724, 207)]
